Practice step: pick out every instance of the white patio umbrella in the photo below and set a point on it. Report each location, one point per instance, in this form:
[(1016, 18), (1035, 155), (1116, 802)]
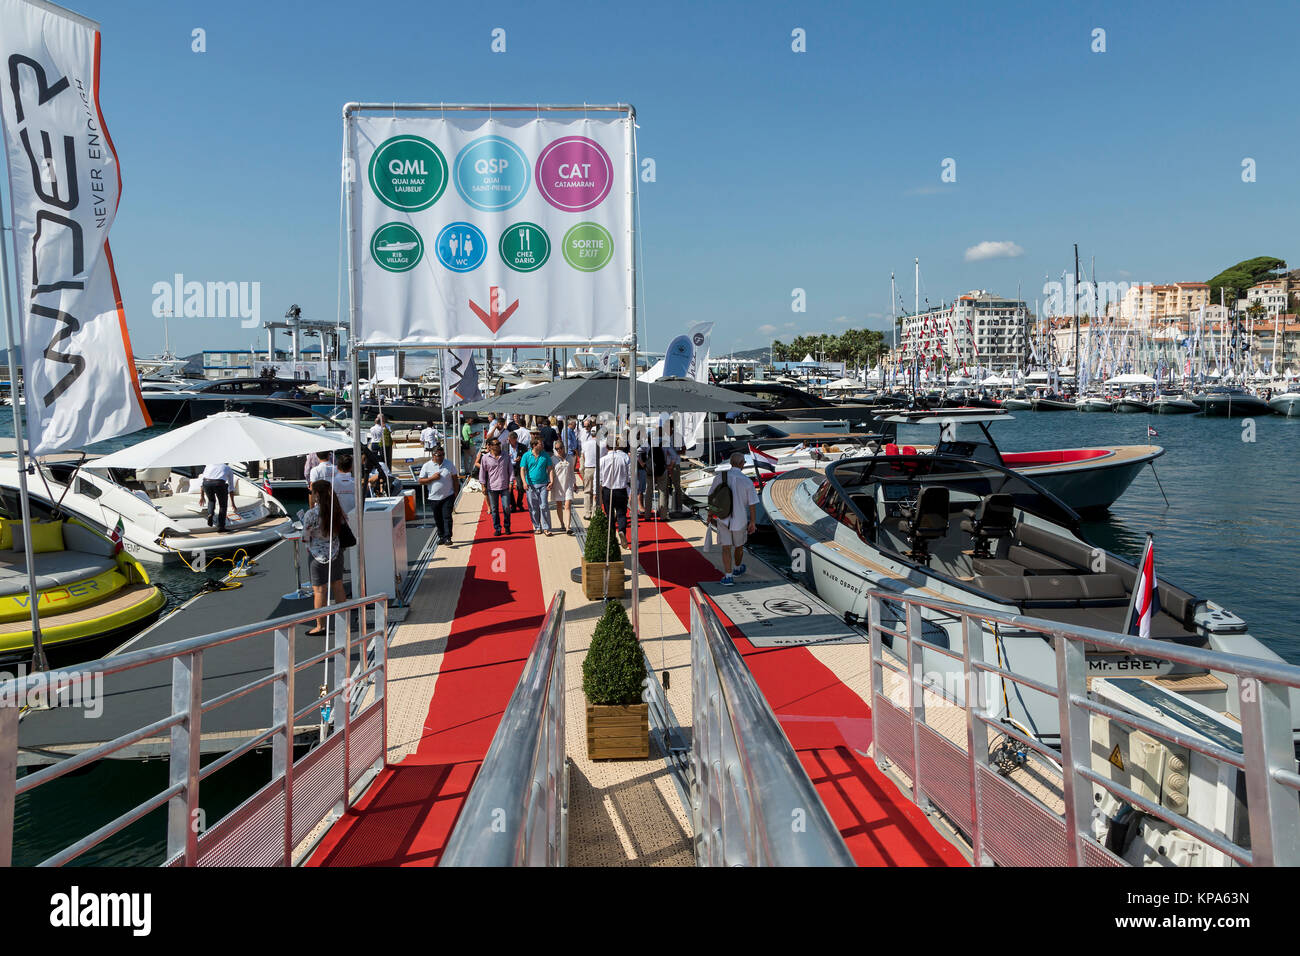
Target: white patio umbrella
[(845, 384), (225, 436)]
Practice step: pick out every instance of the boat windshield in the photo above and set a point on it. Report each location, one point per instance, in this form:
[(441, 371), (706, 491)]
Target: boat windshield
[(900, 477)]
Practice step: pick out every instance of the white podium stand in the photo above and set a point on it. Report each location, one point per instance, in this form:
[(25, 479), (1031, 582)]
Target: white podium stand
[(385, 543)]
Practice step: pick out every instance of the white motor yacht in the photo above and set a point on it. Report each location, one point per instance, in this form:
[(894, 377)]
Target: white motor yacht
[(158, 508)]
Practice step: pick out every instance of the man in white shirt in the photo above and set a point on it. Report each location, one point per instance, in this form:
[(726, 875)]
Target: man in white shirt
[(734, 529), (615, 479), (324, 471), (428, 437), (217, 480), (443, 481), (590, 461)]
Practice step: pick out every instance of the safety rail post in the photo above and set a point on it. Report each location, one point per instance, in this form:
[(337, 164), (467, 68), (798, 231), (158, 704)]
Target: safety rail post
[(282, 711), (1272, 807), (875, 623), (8, 776), (916, 697), (1076, 743), (343, 684), (381, 657), (977, 738), (183, 758)]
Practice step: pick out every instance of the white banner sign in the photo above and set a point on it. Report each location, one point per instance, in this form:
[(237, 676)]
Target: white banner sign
[(693, 423), (459, 377), (78, 370), (512, 229)]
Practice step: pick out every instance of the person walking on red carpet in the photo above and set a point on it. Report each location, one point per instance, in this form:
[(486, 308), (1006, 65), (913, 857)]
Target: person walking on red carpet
[(494, 473), (735, 527)]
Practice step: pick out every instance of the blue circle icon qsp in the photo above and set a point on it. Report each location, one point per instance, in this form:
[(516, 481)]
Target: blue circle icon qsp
[(491, 173), (461, 247)]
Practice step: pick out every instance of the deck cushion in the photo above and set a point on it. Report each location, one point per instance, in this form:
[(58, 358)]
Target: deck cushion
[(53, 569)]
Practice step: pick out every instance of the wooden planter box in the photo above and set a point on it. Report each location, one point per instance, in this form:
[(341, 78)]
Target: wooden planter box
[(618, 732), (593, 579)]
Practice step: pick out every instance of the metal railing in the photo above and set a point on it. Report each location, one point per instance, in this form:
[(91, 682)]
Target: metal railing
[(752, 803), (1005, 823), (301, 793), (518, 808)]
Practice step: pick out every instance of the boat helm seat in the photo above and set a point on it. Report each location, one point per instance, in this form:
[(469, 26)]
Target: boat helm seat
[(924, 521), (994, 517)]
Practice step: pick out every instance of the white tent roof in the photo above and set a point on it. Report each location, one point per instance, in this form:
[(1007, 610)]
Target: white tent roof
[(225, 436), (845, 384), (1131, 378)]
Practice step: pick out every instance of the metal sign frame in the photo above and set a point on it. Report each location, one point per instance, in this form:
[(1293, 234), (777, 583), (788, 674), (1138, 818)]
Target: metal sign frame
[(352, 110)]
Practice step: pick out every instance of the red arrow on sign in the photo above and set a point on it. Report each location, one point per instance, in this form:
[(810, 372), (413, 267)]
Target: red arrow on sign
[(494, 318)]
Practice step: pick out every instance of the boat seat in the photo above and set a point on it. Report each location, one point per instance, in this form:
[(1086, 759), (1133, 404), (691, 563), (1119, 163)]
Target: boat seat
[(1065, 590), (925, 521), (996, 567), (53, 569), (1035, 560), (994, 517), (181, 506)]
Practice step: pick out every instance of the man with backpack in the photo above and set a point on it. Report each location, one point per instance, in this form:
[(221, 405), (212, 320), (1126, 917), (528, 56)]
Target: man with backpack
[(733, 504), (659, 469)]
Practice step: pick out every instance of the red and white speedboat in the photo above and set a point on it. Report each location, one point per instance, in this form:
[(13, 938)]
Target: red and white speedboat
[(1089, 480)]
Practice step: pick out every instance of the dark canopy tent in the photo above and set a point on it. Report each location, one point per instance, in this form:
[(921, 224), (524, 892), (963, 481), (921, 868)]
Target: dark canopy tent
[(603, 392)]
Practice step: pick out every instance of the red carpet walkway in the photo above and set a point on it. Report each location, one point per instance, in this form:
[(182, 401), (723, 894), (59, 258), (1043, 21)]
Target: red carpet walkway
[(408, 813), (826, 722)]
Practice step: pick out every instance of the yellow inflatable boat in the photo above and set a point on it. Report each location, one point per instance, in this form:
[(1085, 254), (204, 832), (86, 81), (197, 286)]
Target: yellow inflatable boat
[(87, 588)]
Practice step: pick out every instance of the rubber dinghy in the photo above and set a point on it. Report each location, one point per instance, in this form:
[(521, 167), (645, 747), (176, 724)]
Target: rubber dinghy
[(87, 587)]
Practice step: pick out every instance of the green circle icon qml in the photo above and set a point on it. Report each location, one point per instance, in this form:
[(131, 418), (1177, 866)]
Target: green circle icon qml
[(396, 247), (408, 173), (525, 247), (588, 247)]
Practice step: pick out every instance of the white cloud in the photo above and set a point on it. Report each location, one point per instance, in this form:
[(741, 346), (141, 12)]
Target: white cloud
[(792, 325), (993, 250), (843, 320), (767, 329)]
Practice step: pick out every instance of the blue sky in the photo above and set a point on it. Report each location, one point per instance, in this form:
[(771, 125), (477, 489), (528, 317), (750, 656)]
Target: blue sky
[(775, 170)]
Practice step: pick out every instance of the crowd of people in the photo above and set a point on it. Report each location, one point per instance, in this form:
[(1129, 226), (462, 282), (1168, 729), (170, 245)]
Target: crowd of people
[(545, 466)]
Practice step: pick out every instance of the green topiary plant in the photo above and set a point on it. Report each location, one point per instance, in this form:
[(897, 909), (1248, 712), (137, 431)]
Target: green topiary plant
[(614, 668), (600, 536)]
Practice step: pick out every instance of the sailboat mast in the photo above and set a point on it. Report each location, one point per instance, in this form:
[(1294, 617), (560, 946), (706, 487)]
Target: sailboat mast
[(1076, 315)]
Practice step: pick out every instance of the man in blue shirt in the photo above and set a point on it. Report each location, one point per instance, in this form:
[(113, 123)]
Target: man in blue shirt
[(537, 467)]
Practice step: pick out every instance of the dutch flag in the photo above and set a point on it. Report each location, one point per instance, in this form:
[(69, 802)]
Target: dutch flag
[(1146, 594), (762, 456)]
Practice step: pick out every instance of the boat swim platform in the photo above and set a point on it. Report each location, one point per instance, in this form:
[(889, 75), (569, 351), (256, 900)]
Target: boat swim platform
[(457, 656), (141, 696)]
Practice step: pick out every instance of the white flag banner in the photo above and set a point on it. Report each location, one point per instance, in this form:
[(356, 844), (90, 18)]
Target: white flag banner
[(459, 377), (78, 369), (693, 422), (492, 230)]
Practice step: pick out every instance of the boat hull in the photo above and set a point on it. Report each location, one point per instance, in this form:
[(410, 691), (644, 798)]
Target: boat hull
[(1288, 405), (1234, 406), (1089, 485), (1094, 405), (1173, 406), (1131, 406)]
